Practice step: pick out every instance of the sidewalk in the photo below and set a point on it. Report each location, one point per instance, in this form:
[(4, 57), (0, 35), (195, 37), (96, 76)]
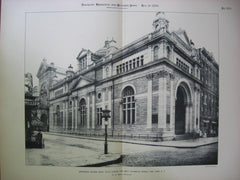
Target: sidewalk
[(82, 151), (69, 151), (190, 143)]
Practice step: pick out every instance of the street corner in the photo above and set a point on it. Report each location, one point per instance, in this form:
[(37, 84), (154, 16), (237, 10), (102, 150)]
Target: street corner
[(104, 159), (109, 156)]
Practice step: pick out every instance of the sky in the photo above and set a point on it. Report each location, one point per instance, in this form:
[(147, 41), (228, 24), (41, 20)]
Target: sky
[(60, 36)]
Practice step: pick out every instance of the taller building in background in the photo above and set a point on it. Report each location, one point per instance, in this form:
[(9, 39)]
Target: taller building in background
[(153, 87), (47, 75)]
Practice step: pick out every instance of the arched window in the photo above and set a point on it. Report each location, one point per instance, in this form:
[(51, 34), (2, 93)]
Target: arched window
[(83, 112), (58, 115), (168, 52), (155, 53), (128, 105)]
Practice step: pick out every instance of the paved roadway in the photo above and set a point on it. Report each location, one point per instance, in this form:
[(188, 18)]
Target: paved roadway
[(68, 151), (170, 156)]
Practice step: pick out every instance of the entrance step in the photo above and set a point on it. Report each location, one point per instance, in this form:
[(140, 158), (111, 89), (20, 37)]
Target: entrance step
[(182, 137)]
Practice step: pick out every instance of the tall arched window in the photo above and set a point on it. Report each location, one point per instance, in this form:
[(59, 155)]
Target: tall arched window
[(58, 115), (155, 52), (168, 52), (128, 105), (83, 112)]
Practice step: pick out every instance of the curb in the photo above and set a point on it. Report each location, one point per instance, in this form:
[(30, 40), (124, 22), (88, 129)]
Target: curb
[(146, 144), (116, 161)]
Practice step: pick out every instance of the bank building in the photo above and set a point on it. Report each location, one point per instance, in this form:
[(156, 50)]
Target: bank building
[(153, 88)]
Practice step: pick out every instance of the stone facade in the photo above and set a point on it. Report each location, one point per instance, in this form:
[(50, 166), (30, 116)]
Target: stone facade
[(152, 88)]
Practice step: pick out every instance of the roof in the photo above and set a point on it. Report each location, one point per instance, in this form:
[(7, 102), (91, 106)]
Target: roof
[(44, 66)]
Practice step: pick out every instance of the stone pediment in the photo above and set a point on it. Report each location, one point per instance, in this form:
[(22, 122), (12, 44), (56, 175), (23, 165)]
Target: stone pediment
[(183, 36), (82, 53), (81, 81)]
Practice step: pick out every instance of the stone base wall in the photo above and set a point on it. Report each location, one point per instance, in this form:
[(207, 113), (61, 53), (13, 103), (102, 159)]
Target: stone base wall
[(134, 132)]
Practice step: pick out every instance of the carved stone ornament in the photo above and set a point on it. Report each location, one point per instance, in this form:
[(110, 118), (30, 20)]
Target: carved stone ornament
[(149, 76)]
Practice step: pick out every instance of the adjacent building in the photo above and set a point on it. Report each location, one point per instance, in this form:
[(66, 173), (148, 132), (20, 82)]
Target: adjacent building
[(155, 87), (209, 93), (31, 103)]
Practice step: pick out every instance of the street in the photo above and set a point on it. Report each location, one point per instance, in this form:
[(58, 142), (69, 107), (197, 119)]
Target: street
[(168, 156), (75, 151)]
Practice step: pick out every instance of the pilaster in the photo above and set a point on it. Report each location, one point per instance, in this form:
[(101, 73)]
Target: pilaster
[(93, 108), (76, 112), (110, 106), (150, 53), (51, 117), (73, 104), (103, 103), (149, 101), (172, 53), (198, 109), (88, 111), (66, 115), (188, 123), (172, 102), (162, 101)]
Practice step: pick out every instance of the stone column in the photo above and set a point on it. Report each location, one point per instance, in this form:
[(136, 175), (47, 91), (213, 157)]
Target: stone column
[(93, 109), (162, 101), (172, 103), (76, 112), (51, 117), (110, 106), (149, 101), (88, 111), (191, 121), (187, 122)]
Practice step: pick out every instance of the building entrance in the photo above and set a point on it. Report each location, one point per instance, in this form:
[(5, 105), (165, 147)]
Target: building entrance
[(180, 111)]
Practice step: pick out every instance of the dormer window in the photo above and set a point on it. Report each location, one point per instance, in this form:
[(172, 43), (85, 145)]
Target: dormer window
[(83, 63)]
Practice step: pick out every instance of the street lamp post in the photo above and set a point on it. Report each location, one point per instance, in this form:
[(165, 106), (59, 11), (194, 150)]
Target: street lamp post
[(105, 115)]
